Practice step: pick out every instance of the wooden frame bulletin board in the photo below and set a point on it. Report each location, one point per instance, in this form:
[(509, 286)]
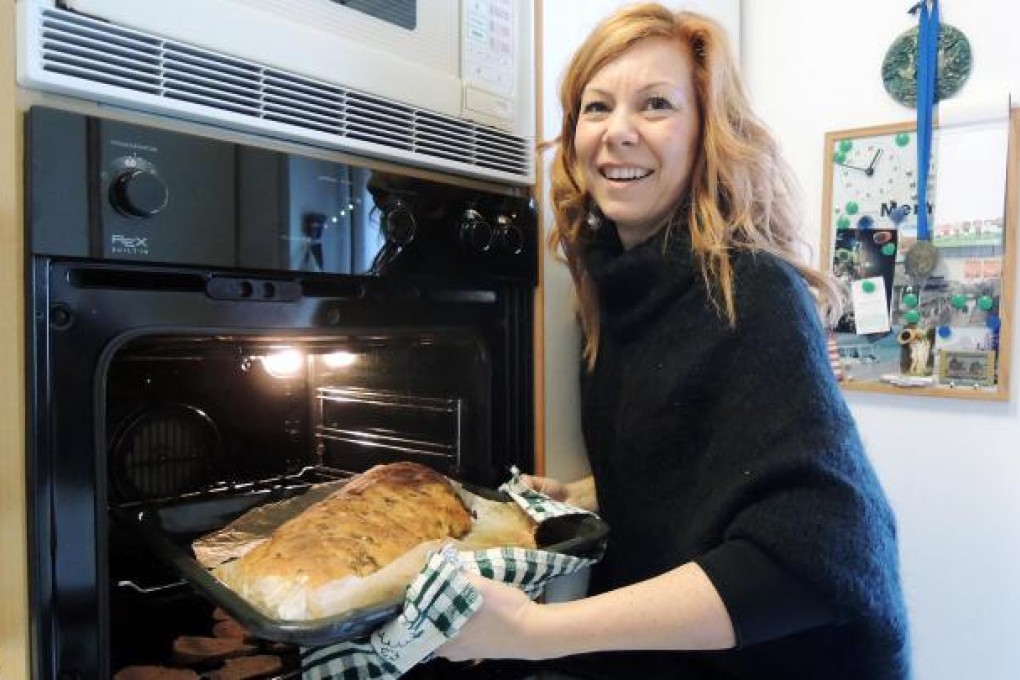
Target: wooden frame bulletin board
[(947, 334)]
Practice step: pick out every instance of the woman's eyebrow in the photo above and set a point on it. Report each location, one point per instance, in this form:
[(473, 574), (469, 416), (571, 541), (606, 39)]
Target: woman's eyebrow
[(644, 88)]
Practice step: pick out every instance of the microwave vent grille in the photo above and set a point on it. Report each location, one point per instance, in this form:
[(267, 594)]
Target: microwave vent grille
[(82, 55)]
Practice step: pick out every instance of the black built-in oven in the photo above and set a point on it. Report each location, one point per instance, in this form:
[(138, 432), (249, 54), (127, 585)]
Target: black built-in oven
[(208, 315)]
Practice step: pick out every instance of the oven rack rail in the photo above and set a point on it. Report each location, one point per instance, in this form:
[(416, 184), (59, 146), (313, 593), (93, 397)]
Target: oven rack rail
[(273, 486)]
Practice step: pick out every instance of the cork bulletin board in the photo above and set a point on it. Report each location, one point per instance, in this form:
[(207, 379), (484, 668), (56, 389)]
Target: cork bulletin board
[(938, 326)]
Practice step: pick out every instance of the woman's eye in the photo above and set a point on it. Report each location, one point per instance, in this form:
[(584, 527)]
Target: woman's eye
[(594, 107), (658, 103)]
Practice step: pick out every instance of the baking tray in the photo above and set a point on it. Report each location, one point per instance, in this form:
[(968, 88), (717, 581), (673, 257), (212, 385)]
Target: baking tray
[(169, 527)]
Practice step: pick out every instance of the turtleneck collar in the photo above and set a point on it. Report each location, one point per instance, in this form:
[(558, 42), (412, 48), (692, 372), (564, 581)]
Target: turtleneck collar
[(634, 285)]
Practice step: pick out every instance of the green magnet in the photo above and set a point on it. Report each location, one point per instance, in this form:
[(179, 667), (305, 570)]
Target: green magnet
[(910, 300), (985, 302), (913, 316), (868, 286), (852, 208), (839, 157), (843, 222), (902, 139), (845, 145), (889, 249), (958, 301)]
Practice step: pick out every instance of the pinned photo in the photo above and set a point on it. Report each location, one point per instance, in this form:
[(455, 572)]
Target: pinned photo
[(966, 368)]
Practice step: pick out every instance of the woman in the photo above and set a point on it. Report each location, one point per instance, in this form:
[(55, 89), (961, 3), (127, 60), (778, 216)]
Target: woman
[(750, 537)]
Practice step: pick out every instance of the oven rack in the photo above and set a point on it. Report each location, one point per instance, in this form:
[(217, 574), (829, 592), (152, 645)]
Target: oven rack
[(274, 487)]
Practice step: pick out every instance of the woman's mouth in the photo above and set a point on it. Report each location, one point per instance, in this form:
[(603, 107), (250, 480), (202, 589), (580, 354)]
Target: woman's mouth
[(624, 174)]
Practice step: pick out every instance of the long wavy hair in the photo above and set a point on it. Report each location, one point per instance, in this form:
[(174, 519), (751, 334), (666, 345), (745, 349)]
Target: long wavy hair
[(743, 195)]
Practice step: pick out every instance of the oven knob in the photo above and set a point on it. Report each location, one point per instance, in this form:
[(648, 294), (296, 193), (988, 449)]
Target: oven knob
[(476, 234), (138, 193), (398, 223), (511, 239)]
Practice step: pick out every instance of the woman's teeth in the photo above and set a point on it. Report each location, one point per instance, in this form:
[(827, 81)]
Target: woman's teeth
[(625, 174)]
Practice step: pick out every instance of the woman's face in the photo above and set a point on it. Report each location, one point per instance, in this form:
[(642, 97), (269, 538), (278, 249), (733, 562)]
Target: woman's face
[(637, 136)]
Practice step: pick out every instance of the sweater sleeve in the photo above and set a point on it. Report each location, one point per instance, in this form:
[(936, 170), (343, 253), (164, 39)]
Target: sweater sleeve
[(764, 600), (807, 498)]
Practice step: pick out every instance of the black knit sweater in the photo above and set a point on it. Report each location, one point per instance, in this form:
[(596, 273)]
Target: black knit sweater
[(733, 447)]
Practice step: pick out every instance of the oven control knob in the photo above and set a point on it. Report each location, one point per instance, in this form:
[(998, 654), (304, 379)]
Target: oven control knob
[(398, 223), (137, 192), (511, 238), (476, 235)]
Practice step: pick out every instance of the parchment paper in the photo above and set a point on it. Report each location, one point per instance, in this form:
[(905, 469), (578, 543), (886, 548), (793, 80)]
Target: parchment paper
[(495, 524)]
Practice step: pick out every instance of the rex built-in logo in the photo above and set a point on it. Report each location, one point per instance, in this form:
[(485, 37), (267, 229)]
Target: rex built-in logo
[(129, 245)]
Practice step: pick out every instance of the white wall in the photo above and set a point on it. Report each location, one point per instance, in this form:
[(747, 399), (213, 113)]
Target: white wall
[(948, 465), (951, 467)]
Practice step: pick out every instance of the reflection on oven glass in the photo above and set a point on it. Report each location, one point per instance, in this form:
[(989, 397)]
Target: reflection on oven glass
[(402, 13), (334, 225)]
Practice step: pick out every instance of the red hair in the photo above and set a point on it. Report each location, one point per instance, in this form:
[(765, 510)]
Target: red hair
[(743, 194)]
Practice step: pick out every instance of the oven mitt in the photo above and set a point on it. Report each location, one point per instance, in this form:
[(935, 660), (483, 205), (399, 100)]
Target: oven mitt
[(440, 600), (539, 506)]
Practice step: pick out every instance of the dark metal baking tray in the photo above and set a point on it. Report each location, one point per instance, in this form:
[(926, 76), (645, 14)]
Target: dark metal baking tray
[(169, 527)]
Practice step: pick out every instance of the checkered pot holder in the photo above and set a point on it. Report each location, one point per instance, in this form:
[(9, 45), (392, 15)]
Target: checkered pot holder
[(440, 600)]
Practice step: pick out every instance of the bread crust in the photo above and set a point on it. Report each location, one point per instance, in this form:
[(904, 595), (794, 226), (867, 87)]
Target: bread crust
[(374, 519)]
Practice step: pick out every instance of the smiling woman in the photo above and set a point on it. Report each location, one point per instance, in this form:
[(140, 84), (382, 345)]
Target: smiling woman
[(637, 136), (749, 535)]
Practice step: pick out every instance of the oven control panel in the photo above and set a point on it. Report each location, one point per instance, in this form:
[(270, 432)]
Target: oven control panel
[(164, 196)]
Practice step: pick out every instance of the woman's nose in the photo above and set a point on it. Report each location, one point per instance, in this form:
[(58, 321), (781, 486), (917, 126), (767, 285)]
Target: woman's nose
[(620, 129)]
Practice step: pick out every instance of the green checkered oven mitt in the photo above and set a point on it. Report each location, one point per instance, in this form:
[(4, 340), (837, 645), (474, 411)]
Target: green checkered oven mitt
[(441, 600), (539, 506)]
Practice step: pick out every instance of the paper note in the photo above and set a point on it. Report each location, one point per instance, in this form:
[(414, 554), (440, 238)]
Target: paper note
[(871, 310)]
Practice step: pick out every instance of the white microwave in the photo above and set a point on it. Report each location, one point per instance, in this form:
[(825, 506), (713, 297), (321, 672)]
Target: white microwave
[(443, 84)]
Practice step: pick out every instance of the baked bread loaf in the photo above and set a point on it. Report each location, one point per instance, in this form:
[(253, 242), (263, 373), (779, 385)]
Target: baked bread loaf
[(371, 521)]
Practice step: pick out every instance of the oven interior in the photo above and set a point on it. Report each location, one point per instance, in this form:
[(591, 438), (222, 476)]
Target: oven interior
[(184, 413), (235, 421)]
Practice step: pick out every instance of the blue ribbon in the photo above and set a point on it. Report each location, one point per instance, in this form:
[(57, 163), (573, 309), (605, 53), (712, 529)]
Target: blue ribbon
[(927, 63)]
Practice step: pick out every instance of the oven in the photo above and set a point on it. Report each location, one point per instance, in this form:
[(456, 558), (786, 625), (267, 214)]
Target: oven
[(208, 316)]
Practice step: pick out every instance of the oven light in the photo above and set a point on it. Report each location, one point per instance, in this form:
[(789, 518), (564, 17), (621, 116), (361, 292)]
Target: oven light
[(283, 364), (339, 359)]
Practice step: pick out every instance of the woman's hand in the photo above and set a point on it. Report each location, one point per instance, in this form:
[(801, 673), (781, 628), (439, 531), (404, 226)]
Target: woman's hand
[(496, 631), (679, 610), (580, 494), (553, 488)]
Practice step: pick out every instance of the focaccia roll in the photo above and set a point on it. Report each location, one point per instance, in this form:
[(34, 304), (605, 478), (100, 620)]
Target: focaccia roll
[(375, 518)]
